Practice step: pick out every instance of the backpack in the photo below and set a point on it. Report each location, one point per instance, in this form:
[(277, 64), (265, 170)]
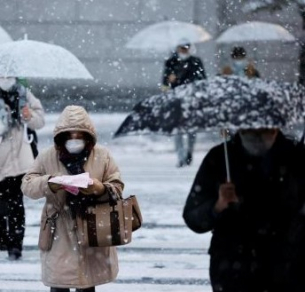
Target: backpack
[(10, 114)]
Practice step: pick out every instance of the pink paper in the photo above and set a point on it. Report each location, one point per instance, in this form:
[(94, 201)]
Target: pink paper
[(72, 190)]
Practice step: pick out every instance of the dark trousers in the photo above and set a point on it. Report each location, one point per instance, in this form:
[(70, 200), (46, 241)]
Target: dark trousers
[(234, 272), (92, 289), (12, 215)]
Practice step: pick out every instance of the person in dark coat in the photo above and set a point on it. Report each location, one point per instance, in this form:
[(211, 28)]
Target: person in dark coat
[(257, 218), (182, 68)]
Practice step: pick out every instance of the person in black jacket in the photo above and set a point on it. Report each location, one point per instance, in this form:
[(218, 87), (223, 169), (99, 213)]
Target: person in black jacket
[(182, 68), (256, 220)]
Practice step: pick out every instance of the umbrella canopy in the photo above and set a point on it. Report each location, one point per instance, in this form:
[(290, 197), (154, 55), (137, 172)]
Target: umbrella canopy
[(167, 35), (32, 59), (255, 31), (241, 103), (230, 102), (4, 36), (159, 113)]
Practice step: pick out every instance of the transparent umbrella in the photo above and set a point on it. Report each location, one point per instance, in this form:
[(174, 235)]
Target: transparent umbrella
[(255, 31), (4, 36), (33, 59), (166, 35)]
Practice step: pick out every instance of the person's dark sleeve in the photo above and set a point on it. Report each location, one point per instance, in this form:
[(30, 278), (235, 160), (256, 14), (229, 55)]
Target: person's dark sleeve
[(166, 72), (200, 71), (198, 211)]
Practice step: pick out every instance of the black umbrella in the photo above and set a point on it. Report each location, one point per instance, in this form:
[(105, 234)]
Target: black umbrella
[(220, 102), (159, 113), (229, 102)]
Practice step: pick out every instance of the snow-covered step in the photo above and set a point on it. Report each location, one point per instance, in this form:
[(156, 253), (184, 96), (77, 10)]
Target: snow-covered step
[(155, 237), (153, 268), (11, 286), (133, 264)]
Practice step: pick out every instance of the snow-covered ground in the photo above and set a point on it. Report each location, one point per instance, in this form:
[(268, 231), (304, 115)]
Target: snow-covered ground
[(164, 254)]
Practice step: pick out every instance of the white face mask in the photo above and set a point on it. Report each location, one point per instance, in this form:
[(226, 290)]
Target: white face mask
[(183, 56), (255, 144), (239, 67), (75, 146), (7, 83)]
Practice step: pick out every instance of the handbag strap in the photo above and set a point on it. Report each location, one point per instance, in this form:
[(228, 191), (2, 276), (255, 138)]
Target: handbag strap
[(57, 206), (113, 198), (52, 221)]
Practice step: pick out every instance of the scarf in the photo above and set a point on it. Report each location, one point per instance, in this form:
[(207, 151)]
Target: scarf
[(74, 163)]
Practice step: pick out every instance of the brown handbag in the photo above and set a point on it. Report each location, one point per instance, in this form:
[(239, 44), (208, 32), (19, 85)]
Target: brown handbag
[(48, 224), (110, 223), (47, 231)]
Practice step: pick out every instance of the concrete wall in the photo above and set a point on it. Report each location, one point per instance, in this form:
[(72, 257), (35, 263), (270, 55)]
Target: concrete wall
[(97, 30)]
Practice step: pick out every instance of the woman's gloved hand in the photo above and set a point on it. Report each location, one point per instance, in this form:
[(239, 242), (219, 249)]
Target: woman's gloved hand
[(55, 187), (96, 188)]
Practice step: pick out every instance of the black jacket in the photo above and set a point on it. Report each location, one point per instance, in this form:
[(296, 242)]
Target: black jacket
[(253, 243), (187, 71)]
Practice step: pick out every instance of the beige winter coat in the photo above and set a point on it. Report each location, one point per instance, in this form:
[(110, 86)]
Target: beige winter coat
[(16, 153), (67, 264)]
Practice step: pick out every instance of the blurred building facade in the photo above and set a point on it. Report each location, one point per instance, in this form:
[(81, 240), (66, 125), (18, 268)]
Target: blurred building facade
[(96, 31), (274, 60)]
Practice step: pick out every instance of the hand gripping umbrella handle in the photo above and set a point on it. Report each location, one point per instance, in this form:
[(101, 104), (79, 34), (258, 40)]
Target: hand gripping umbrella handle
[(225, 143)]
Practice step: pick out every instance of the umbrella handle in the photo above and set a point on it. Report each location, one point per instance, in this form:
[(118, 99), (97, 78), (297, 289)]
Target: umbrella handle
[(225, 143), (303, 136)]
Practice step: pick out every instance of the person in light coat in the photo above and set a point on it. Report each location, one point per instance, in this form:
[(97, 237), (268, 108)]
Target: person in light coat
[(68, 264), (20, 110)]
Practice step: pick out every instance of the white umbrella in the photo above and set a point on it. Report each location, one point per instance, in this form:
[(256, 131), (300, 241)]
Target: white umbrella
[(255, 31), (167, 35), (32, 59), (4, 36)]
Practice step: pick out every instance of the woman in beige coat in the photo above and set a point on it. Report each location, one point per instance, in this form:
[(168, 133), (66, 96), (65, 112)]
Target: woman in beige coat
[(67, 264)]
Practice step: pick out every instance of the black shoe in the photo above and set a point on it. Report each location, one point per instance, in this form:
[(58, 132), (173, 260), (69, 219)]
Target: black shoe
[(3, 246), (14, 254), (60, 289), (92, 289), (180, 164), (189, 158)]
